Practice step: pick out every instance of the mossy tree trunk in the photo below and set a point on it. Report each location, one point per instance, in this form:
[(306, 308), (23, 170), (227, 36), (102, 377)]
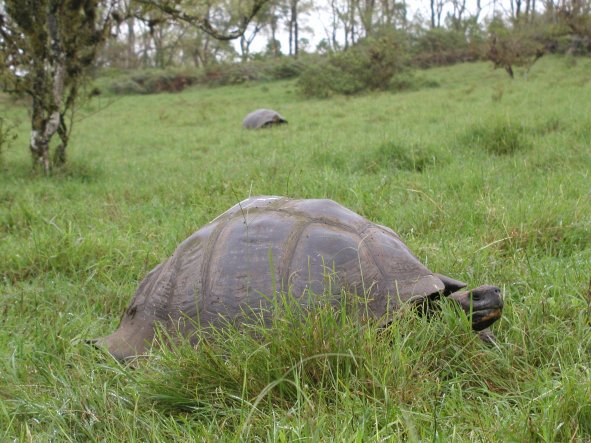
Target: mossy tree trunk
[(48, 76)]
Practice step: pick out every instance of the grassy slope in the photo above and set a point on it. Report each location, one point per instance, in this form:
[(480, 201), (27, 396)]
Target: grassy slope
[(147, 171)]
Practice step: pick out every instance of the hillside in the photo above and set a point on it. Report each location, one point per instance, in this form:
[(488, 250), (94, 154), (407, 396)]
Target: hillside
[(485, 178)]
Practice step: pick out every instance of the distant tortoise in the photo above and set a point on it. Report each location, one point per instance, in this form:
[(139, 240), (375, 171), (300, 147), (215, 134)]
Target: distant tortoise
[(262, 118), (237, 262)]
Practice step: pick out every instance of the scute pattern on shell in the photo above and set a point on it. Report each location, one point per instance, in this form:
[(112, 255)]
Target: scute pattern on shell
[(264, 245)]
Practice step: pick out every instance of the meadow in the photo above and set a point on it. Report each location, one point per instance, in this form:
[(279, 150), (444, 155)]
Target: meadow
[(486, 179)]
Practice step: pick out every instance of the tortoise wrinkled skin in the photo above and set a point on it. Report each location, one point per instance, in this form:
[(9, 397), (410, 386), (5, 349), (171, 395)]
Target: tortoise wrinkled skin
[(263, 118), (267, 245)]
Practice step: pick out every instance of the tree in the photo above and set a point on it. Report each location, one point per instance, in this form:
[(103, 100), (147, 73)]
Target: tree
[(456, 16), (204, 17), (514, 45), (343, 13), (576, 15), (293, 27), (274, 14), (47, 48), (295, 9), (392, 14), (266, 16), (436, 11), (196, 30)]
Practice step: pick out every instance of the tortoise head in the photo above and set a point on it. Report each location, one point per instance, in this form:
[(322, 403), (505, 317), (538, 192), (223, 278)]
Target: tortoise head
[(484, 304)]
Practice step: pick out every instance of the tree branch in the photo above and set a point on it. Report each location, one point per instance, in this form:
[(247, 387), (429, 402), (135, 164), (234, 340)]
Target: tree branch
[(202, 22)]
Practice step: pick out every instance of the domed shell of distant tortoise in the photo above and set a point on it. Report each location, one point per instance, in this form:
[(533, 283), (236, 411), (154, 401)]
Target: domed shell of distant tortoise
[(262, 118)]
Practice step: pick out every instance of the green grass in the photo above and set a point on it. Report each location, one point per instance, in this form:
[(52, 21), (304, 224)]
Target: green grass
[(486, 179)]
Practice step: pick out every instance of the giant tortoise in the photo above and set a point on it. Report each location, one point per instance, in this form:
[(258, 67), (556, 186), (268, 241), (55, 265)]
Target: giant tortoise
[(265, 245), (263, 118)]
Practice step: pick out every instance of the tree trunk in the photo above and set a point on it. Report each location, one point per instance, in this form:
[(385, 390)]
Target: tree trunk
[(293, 28), (39, 144), (48, 88), (131, 62), (243, 49), (432, 14), (59, 157), (478, 10), (273, 25), (439, 12), (366, 13), (352, 28), (296, 48)]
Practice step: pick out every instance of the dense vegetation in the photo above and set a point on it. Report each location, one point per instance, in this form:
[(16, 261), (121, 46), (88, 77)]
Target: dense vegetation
[(486, 178)]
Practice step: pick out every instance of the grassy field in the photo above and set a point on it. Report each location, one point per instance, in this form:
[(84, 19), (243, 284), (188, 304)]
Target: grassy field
[(486, 179)]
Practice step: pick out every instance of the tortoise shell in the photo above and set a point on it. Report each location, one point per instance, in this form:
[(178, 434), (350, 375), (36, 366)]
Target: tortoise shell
[(264, 245), (262, 118)]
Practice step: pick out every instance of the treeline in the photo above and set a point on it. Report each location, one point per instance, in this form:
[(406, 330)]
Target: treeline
[(370, 44), (149, 38)]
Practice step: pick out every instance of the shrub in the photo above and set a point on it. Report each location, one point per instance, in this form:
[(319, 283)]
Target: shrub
[(439, 46), (518, 45), (126, 86), (369, 65), (286, 67), (315, 81), (154, 82), (221, 74), (151, 81), (258, 70)]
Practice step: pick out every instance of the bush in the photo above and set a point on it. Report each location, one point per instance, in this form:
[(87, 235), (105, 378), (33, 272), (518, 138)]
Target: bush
[(437, 47), (221, 74), (517, 45), (369, 65), (317, 80), (162, 81), (286, 67), (126, 86), (265, 69), (151, 81)]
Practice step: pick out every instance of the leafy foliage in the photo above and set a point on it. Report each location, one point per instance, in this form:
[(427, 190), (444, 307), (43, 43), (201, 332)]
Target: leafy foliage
[(439, 46), (153, 81), (369, 65), (509, 46)]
